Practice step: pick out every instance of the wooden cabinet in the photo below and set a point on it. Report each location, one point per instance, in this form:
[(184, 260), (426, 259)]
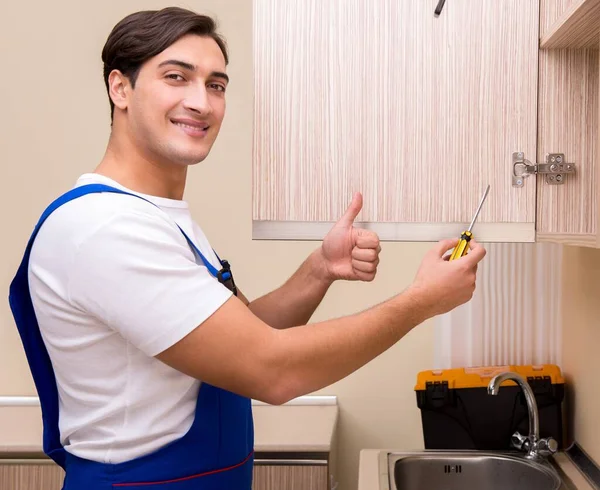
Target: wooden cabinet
[(571, 24), (30, 475), (272, 475), (293, 471), (417, 112), (290, 477), (569, 86), (420, 112)]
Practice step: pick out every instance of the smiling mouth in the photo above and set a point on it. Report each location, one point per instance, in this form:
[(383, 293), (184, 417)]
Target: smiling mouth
[(203, 127)]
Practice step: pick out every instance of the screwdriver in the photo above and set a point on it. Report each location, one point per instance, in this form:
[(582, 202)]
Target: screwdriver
[(463, 245)]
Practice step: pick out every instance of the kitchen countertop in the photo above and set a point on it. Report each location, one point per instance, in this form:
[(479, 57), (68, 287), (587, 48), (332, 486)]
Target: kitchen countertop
[(369, 470), (301, 426), (294, 428)]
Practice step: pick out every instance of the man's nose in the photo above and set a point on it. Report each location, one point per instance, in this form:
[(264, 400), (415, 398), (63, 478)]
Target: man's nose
[(197, 100)]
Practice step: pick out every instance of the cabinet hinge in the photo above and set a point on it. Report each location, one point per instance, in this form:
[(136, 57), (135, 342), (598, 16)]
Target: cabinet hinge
[(555, 169)]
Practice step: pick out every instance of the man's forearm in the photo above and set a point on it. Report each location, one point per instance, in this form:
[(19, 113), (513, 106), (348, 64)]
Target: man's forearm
[(294, 303), (307, 359)]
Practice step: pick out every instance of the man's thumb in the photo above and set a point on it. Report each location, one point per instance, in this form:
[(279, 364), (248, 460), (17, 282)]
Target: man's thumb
[(352, 211), (444, 245)]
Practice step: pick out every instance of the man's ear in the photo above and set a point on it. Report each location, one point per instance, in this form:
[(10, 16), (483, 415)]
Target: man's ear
[(118, 89)]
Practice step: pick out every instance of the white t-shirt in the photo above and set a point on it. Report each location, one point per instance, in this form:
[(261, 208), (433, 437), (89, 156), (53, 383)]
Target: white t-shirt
[(113, 283)]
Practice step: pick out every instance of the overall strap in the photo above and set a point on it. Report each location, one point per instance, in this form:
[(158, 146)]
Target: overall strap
[(224, 275), (35, 349), (94, 188)]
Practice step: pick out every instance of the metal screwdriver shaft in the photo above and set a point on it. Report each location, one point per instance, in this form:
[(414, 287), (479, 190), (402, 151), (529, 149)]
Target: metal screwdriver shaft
[(463, 245)]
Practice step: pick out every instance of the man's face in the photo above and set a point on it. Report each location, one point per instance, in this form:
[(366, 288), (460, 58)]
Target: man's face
[(176, 109)]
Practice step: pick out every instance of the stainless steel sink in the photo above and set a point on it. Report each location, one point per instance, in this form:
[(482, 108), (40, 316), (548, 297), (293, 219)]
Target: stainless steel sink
[(469, 470)]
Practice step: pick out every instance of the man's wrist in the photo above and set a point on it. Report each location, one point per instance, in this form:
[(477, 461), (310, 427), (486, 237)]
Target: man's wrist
[(421, 298), (319, 269)]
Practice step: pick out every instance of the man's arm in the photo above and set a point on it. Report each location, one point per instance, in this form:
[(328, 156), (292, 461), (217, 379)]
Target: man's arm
[(296, 300), (237, 351)]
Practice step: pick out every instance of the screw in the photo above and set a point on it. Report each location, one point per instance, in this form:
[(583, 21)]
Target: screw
[(520, 155), (550, 177), (553, 167), (559, 159), (519, 182), (569, 167), (553, 159), (559, 178)]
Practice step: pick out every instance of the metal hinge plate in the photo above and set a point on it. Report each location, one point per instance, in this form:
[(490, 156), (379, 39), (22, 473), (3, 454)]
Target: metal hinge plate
[(555, 169)]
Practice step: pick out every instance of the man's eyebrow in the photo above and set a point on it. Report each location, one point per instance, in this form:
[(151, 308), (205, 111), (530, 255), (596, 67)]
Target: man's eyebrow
[(188, 66), (220, 74), (182, 64)]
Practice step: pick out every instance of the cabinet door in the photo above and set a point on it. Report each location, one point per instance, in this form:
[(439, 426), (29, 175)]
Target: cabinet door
[(290, 477), (31, 476), (417, 112), (569, 120)]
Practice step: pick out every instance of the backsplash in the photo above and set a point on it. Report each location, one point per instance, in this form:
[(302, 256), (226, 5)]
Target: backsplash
[(515, 314)]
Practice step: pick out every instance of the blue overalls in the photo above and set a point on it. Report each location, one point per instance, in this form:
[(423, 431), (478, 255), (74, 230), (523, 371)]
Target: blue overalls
[(215, 454)]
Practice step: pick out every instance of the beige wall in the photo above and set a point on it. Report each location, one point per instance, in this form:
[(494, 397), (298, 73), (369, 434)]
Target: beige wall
[(581, 345), (54, 127)]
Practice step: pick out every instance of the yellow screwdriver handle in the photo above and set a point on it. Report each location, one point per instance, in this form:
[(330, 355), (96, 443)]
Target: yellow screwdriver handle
[(463, 246)]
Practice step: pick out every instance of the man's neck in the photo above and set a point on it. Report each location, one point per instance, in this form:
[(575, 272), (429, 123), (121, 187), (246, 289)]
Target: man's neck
[(125, 165)]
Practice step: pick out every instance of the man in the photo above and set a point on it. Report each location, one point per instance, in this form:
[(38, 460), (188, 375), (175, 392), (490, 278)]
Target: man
[(144, 353)]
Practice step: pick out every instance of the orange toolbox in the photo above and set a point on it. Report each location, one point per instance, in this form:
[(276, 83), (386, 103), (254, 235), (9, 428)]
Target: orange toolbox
[(458, 413)]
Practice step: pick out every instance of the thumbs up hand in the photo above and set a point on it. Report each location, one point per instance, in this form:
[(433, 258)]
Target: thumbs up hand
[(351, 253)]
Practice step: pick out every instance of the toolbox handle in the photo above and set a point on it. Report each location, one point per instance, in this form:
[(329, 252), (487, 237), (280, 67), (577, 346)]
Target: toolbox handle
[(491, 371), (488, 372)]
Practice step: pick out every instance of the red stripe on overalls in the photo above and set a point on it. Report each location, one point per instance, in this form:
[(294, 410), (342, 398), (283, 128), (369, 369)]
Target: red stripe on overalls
[(185, 477)]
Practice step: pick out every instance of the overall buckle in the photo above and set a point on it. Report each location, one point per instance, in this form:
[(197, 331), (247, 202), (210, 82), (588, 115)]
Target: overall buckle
[(225, 277)]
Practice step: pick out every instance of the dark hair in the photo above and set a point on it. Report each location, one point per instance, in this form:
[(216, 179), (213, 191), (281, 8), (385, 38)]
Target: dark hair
[(142, 35)]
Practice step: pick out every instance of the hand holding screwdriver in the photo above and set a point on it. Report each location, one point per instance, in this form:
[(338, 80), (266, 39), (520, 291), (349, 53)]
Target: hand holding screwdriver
[(443, 285), (463, 245), (444, 282)]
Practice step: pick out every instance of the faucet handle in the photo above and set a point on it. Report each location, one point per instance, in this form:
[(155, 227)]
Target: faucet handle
[(547, 446), (519, 441)]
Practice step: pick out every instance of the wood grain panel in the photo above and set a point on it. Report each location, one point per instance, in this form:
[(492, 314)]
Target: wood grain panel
[(42, 476), (551, 11), (578, 26), (568, 123), (566, 239), (31, 476), (419, 113), (279, 477)]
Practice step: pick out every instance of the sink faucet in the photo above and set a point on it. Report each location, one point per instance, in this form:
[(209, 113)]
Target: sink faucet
[(533, 445)]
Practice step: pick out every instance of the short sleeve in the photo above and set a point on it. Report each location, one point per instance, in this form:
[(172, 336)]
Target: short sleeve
[(137, 274)]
